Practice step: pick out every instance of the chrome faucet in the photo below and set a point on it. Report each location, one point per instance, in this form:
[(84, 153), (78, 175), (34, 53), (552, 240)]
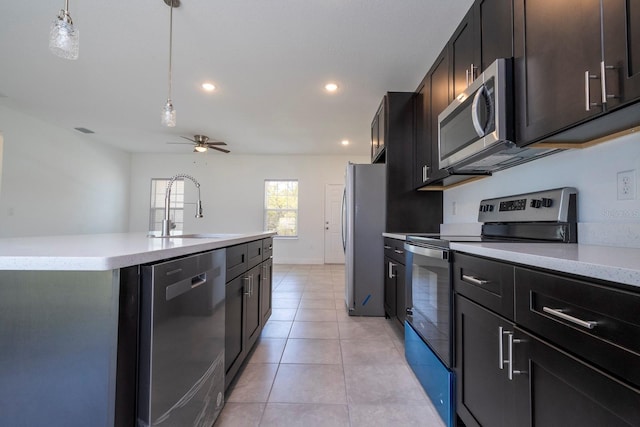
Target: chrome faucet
[(166, 222)]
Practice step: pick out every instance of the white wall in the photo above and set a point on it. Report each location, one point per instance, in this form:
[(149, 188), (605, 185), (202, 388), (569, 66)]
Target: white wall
[(58, 181), (232, 189), (593, 171)]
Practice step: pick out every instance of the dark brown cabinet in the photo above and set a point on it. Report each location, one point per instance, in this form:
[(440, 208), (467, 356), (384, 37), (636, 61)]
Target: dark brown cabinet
[(247, 300), (378, 133), (484, 35), (435, 93), (465, 52), (407, 210), (395, 302), (592, 71), (266, 290), (485, 395), (569, 355)]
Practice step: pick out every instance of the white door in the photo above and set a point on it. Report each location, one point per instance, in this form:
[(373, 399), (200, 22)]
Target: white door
[(333, 250)]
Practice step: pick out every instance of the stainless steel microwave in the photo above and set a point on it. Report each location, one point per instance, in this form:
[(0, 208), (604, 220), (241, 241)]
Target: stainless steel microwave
[(479, 118)]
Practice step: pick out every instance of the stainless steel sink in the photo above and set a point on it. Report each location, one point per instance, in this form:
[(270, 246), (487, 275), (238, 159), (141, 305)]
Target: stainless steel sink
[(198, 236)]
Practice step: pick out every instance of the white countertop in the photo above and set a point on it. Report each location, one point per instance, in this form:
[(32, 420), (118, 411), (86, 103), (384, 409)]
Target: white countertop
[(98, 252), (615, 264)]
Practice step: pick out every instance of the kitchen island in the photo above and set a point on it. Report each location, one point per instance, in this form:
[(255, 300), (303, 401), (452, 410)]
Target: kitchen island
[(69, 314)]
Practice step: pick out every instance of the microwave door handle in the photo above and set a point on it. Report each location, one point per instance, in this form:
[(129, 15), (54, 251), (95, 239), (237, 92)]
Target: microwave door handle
[(475, 117)]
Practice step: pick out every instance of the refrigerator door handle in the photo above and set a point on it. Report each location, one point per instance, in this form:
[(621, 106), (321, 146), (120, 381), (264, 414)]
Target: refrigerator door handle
[(343, 220)]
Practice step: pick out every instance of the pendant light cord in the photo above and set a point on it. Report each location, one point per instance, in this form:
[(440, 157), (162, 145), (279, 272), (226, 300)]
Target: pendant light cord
[(170, 44)]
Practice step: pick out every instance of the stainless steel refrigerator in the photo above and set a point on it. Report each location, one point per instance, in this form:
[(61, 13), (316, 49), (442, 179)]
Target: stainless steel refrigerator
[(363, 221)]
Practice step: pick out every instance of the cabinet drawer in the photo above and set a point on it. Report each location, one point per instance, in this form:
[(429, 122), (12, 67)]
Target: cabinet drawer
[(394, 249), (267, 248), (236, 261), (487, 282), (594, 321), (254, 253)]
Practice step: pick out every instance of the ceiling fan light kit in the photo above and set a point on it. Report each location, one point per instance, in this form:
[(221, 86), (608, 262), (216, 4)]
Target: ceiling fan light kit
[(64, 36), (168, 117), (202, 143)]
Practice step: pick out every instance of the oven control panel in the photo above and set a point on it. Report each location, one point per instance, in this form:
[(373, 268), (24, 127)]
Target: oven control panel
[(556, 205)]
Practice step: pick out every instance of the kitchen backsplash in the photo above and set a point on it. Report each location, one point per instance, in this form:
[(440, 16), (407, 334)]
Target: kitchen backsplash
[(593, 171)]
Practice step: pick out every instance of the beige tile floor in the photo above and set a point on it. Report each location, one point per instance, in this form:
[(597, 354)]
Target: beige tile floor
[(316, 366)]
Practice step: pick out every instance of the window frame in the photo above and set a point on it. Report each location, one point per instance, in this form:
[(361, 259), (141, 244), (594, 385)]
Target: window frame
[(295, 210), (156, 203)]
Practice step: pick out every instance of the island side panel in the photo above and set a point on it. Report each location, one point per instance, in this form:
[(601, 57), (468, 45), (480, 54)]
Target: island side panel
[(58, 346)]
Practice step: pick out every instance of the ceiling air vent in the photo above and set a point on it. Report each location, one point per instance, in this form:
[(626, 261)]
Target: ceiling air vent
[(84, 130)]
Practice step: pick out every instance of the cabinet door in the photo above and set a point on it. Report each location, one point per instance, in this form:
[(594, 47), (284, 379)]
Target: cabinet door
[(621, 35), (234, 307), (493, 25), (560, 390), (401, 294), (390, 270), (440, 94), (423, 162), (253, 279), (464, 63), (485, 395), (266, 290), (556, 43)]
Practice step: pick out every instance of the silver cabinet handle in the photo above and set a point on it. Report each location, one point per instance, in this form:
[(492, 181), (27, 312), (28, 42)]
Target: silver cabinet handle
[(390, 270), (398, 251), (587, 91), (472, 73), (425, 173), (501, 334), (603, 81), (387, 247), (247, 289), (558, 312), (512, 371), (474, 280), (466, 74)]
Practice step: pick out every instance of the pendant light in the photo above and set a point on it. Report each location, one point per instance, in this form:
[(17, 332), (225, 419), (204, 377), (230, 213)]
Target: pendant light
[(63, 36), (168, 112)]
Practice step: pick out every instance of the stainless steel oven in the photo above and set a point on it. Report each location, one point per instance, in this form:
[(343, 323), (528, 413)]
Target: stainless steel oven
[(430, 297)]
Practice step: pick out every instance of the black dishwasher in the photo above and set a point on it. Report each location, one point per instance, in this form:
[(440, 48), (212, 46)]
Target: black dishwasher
[(182, 332)]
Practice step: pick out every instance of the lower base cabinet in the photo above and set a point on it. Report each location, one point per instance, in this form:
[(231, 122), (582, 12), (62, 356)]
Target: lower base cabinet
[(247, 303), (507, 375)]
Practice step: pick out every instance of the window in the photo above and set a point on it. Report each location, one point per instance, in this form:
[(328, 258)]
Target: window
[(281, 207), (176, 212)]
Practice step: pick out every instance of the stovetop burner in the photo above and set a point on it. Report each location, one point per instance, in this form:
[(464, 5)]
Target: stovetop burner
[(541, 216)]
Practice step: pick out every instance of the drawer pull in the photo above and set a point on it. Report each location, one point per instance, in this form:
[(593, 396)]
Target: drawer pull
[(398, 251), (474, 280), (387, 247), (560, 313)]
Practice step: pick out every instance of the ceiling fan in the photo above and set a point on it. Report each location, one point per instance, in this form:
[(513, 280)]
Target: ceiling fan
[(201, 143)]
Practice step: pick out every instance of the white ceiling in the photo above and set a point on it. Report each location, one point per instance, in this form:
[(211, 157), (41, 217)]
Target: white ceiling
[(269, 59)]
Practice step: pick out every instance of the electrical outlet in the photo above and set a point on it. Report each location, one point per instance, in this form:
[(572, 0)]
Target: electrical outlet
[(627, 185)]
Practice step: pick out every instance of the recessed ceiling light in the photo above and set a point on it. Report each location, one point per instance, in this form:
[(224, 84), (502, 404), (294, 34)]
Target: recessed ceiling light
[(209, 87), (331, 87), (345, 142)]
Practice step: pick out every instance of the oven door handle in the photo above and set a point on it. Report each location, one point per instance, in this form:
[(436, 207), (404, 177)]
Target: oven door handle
[(428, 252)]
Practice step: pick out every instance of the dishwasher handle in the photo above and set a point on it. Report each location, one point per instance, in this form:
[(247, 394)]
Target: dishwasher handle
[(176, 289)]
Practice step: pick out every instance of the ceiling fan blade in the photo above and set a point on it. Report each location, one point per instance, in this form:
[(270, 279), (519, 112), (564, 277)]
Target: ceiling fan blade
[(221, 149), (180, 143), (189, 139), (216, 143)]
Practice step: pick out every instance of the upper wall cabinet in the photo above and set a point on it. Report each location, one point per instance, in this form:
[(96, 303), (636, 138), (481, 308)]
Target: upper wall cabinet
[(484, 35), (574, 60), (378, 133), (406, 210)]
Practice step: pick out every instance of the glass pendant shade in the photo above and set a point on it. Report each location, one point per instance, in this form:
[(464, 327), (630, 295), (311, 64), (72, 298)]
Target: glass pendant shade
[(64, 37), (169, 114)]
